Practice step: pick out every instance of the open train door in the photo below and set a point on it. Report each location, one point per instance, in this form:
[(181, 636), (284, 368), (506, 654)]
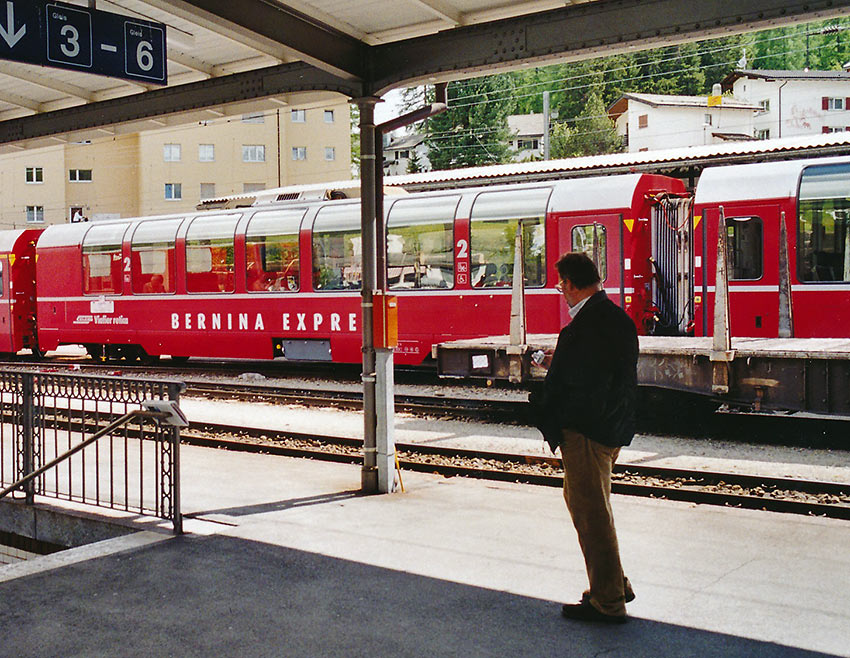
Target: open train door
[(601, 238), (672, 263)]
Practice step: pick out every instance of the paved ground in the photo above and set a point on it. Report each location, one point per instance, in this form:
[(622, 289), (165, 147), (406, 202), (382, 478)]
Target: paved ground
[(282, 557)]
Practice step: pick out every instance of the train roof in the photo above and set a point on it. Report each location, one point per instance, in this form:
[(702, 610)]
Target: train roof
[(752, 182), (9, 238)]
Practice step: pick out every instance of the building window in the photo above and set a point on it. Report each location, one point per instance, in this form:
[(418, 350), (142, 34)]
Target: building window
[(254, 117), (299, 152), (524, 144), (35, 214), (643, 121), (832, 103), (402, 154), (207, 190), (330, 153), (832, 129), (206, 152), (253, 153), (173, 191), (35, 175), (253, 187), (298, 116), (763, 133), (171, 152), (764, 106), (79, 175), (707, 120), (329, 116)]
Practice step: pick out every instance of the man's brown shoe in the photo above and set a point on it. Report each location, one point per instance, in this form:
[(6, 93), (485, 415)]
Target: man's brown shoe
[(585, 596), (585, 611)]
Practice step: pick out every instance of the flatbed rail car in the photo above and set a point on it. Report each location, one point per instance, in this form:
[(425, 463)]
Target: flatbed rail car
[(283, 280), (799, 374)]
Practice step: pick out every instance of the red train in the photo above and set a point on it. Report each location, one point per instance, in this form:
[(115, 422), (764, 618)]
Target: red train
[(281, 279)]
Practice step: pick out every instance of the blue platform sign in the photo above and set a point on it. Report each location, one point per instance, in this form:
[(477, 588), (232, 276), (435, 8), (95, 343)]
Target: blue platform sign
[(82, 39)]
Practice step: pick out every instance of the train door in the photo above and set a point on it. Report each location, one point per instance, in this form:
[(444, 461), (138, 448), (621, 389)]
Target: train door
[(672, 260), (5, 309), (601, 238), (752, 246)]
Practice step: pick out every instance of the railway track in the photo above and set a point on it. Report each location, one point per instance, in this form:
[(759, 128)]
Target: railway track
[(788, 495)]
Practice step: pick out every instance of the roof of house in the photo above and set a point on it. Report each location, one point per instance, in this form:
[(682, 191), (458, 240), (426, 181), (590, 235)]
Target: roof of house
[(620, 106), (526, 125), (770, 74), (406, 141)]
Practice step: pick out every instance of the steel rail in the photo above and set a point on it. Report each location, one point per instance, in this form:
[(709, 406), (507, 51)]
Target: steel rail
[(681, 485)]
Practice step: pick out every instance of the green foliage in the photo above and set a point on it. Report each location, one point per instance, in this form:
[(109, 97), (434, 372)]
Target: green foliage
[(355, 140), (474, 130), (414, 166), (592, 133)]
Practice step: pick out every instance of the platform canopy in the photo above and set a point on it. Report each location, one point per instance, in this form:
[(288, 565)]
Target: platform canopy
[(225, 56)]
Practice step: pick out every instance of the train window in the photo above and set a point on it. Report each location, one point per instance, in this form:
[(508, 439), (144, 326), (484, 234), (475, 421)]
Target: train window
[(420, 239), (823, 229), (492, 232), (102, 266), (152, 261), (592, 240), (745, 248), (271, 250), (209, 253), (336, 248)]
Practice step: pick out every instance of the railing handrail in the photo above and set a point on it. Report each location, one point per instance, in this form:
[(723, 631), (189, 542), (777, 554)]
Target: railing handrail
[(137, 413)]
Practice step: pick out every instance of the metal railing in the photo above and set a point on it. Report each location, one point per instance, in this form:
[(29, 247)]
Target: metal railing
[(105, 441)]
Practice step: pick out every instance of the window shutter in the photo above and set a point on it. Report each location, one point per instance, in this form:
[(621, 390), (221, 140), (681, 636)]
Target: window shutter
[(825, 130), (847, 103), (824, 103)]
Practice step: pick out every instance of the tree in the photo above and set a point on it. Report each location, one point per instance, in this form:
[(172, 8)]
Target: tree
[(474, 130), (558, 141), (355, 140), (414, 166), (592, 133)]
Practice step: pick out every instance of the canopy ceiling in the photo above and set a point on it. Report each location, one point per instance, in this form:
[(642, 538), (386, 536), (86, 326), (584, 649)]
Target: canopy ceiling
[(227, 56)]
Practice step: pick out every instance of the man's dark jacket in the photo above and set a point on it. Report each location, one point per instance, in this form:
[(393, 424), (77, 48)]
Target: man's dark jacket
[(591, 386)]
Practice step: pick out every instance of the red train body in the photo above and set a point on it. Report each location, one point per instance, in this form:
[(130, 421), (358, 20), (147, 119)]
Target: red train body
[(282, 279)]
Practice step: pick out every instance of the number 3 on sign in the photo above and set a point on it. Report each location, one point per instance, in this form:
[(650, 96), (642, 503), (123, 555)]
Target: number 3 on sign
[(72, 46)]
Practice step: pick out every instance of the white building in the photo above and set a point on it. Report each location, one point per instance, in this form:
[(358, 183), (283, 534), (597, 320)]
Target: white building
[(399, 151), (526, 136), (794, 103), (648, 122)]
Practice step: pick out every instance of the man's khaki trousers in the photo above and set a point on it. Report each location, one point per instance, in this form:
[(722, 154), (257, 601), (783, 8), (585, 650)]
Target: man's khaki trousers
[(587, 492)]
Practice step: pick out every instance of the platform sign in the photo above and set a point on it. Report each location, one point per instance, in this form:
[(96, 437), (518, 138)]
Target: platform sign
[(78, 38)]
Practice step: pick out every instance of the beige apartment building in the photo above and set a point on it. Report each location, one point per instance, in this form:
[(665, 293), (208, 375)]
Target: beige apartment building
[(173, 168)]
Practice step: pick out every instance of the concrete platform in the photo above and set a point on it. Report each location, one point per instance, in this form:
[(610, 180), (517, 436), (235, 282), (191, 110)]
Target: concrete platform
[(283, 557)]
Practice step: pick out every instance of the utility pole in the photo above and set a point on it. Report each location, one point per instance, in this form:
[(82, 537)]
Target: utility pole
[(546, 130)]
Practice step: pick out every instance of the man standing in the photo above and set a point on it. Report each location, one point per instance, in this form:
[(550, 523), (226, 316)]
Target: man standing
[(589, 400)]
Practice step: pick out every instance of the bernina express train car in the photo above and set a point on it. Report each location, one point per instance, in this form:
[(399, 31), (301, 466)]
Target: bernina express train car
[(282, 280), (17, 284), (812, 198)]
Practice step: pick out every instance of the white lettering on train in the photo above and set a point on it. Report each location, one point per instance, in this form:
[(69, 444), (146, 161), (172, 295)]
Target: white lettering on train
[(215, 321)]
